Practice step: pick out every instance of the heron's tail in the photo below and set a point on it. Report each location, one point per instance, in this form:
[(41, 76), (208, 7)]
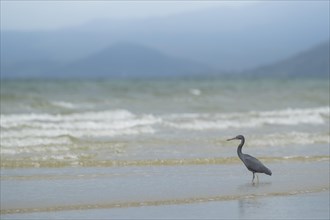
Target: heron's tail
[(268, 171)]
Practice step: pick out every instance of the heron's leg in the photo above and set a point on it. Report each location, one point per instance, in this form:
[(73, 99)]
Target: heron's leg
[(253, 178)]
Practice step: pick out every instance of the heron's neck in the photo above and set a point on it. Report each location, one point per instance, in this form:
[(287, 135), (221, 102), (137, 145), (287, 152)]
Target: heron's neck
[(239, 148)]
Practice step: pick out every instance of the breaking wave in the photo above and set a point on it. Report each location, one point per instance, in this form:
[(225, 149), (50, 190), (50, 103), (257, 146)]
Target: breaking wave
[(88, 124), (123, 119), (35, 129), (74, 139), (250, 119)]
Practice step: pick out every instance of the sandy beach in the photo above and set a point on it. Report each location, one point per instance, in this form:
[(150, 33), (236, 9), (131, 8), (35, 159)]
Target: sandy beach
[(299, 206), (139, 150), (296, 190)]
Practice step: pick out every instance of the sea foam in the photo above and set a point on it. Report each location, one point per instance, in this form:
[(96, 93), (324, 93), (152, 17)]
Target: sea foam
[(123, 122), (249, 119), (104, 123)]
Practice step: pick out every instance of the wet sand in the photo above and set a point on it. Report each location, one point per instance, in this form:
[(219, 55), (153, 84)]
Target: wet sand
[(300, 206), (295, 190)]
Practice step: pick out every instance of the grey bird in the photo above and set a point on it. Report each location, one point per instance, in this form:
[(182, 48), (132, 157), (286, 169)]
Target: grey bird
[(251, 163)]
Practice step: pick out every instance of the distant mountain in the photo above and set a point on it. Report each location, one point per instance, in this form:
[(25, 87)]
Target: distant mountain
[(123, 60), (29, 69), (310, 63), (127, 60), (132, 60), (231, 38)]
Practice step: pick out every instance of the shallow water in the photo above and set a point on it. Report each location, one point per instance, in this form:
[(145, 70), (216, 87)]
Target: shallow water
[(279, 207), (64, 189), (87, 145)]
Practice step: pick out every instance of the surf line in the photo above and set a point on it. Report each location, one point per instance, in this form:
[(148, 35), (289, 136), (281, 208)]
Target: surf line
[(158, 162)]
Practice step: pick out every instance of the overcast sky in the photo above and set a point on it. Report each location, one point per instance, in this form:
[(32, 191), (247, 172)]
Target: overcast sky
[(28, 15)]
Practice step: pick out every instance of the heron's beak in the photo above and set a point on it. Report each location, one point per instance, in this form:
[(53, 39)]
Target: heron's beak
[(231, 139)]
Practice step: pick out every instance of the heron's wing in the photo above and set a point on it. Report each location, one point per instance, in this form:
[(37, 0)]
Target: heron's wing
[(254, 165)]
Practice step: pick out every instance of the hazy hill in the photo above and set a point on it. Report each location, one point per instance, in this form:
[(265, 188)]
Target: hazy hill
[(131, 60), (227, 38), (310, 63), (122, 60), (127, 60)]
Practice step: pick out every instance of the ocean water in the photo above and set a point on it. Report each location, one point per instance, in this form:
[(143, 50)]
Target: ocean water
[(104, 123), (126, 131)]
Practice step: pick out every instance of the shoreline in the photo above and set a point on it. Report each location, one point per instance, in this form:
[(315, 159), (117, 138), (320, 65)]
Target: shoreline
[(297, 205), (70, 190)]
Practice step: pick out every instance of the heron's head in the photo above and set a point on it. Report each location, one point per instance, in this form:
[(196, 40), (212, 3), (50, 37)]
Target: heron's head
[(238, 137)]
